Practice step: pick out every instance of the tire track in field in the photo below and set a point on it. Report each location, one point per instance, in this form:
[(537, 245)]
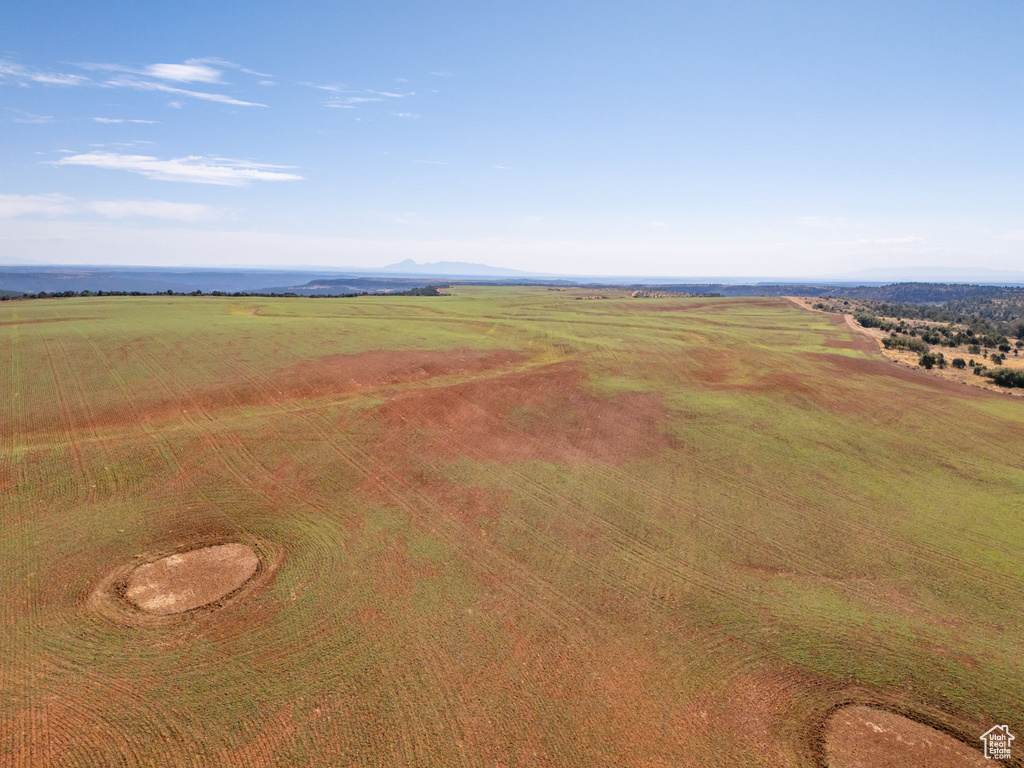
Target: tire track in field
[(163, 725), (224, 444), (452, 534), (19, 667), (984, 576)]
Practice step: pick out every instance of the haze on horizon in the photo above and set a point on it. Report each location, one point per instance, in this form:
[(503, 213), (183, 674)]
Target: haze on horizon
[(702, 138)]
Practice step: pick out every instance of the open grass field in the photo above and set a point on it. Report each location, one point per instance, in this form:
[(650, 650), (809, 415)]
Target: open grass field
[(502, 528)]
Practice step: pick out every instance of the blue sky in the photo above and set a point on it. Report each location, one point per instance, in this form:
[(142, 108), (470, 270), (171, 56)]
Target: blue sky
[(673, 138)]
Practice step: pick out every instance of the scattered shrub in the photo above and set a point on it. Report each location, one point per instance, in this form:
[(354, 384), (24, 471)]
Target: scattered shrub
[(904, 342), (1006, 377)]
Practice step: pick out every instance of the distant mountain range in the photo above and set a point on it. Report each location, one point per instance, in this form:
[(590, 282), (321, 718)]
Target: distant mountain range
[(935, 275), (31, 278), (450, 269)]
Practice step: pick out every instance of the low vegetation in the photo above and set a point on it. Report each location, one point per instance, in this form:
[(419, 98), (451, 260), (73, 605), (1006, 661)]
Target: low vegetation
[(993, 341), (500, 528)]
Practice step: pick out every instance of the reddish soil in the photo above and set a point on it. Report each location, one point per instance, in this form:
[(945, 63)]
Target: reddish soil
[(182, 582), (865, 737), (331, 375), (858, 340), (50, 320), (883, 367), (545, 414), (336, 374)]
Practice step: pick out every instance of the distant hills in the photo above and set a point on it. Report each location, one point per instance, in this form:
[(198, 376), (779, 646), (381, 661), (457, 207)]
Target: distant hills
[(407, 274), (450, 269), (935, 275)]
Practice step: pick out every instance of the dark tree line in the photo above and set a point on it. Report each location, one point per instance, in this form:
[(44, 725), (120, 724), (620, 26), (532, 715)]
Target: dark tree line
[(430, 290)]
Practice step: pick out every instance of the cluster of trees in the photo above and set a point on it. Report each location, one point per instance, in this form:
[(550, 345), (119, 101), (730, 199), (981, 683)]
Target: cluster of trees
[(1005, 377), (940, 335), (427, 290), (905, 342), (986, 317), (921, 338), (932, 360)]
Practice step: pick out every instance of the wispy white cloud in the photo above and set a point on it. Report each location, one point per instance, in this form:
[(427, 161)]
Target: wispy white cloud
[(433, 162), (34, 205), (114, 120), (144, 79), (56, 205), (18, 72), (348, 97), (882, 241), (349, 102), (822, 221), (157, 209), (21, 116), (229, 64), (333, 87), (149, 85), (190, 72), (407, 114), (197, 169)]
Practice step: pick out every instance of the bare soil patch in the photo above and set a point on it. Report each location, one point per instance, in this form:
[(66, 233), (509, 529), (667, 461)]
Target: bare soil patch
[(330, 375), (170, 586), (865, 737), (546, 414), (182, 582)]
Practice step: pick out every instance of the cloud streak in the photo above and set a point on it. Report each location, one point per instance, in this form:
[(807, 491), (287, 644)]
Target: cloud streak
[(8, 69), (145, 79), (56, 205), (195, 169), (822, 221), (882, 241), (192, 71), (149, 85), (115, 120)]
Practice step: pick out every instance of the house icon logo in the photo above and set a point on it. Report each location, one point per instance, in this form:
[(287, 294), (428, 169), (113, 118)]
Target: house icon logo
[(997, 742)]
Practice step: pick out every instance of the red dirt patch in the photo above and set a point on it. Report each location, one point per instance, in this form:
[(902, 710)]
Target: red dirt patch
[(181, 582), (344, 374), (865, 737), (856, 338), (880, 366), (543, 414), (331, 375)]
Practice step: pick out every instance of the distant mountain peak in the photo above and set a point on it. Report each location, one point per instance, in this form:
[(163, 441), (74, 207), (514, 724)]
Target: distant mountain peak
[(450, 268)]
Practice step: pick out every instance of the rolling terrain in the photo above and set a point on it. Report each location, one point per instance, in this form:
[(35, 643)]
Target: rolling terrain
[(501, 528)]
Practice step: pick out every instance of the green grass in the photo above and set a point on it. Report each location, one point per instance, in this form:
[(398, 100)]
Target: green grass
[(806, 533)]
